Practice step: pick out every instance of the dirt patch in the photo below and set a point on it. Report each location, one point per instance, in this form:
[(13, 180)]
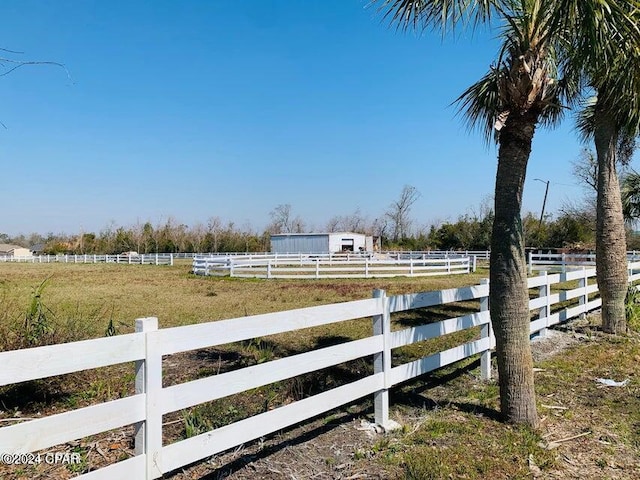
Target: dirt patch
[(554, 342), (337, 449)]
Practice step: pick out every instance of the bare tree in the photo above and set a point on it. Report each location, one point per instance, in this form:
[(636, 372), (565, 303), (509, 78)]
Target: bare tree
[(353, 222), (214, 227), (8, 64), (585, 169), (333, 225), (398, 212), (282, 220), (198, 232)]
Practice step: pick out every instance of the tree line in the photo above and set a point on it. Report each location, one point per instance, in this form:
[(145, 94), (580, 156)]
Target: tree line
[(572, 227)]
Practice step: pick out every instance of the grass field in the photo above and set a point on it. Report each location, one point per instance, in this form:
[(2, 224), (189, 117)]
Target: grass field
[(450, 420), (82, 298)]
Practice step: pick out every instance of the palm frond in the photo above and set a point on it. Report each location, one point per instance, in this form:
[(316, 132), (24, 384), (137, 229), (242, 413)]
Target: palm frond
[(444, 15), (482, 106), (625, 149), (630, 191), (618, 90), (599, 27), (585, 119)]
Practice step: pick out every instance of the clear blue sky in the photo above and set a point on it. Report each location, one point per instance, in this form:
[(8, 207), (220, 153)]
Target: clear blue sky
[(227, 108)]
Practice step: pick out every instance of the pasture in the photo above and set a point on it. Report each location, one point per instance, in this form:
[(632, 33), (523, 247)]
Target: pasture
[(84, 297), (81, 300)]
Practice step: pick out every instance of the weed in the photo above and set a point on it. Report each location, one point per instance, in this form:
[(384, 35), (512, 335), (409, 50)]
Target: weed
[(37, 321), (195, 423), (632, 308), (81, 466), (381, 444), (210, 416), (270, 394), (360, 454), (259, 350)]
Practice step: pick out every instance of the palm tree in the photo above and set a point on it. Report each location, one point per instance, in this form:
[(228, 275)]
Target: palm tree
[(520, 92), (612, 120)]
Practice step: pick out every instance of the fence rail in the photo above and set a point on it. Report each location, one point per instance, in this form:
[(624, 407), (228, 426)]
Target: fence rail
[(142, 259), (568, 261), (151, 400), (356, 265)]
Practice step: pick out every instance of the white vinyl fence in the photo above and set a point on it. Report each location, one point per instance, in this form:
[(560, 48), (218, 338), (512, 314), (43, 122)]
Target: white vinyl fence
[(151, 401), (142, 259), (567, 261), (355, 265)]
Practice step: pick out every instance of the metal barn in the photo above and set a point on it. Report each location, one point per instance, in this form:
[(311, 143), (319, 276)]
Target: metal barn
[(321, 242)]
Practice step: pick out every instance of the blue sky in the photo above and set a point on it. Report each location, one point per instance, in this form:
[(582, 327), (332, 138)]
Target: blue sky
[(228, 108)]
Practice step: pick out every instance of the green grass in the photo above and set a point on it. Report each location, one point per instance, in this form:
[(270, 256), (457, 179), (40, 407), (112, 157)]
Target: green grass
[(452, 429)]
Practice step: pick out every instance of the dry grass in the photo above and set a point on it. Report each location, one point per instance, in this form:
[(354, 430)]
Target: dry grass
[(99, 292)]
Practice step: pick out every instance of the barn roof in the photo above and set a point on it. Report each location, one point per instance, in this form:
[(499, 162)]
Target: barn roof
[(314, 234), (7, 247)]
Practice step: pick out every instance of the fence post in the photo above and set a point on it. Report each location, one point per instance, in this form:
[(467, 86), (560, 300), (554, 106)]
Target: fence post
[(382, 363), (475, 263), (148, 434), (544, 312), (171, 259), (564, 263), (366, 268), (583, 283), (486, 331), (268, 268), (317, 268), (530, 262)]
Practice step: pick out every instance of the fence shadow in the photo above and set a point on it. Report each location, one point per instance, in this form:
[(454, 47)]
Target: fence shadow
[(413, 397), (239, 463)]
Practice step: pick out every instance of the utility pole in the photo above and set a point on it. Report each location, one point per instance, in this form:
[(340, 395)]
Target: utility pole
[(544, 202)]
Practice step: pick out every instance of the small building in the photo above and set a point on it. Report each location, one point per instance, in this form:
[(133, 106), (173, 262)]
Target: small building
[(8, 250), (321, 242)]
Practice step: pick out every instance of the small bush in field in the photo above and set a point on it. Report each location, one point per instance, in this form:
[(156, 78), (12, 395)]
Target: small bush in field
[(38, 326)]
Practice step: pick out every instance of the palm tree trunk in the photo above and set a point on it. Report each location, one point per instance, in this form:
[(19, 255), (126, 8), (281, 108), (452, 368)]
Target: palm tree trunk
[(611, 244), (508, 293)]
